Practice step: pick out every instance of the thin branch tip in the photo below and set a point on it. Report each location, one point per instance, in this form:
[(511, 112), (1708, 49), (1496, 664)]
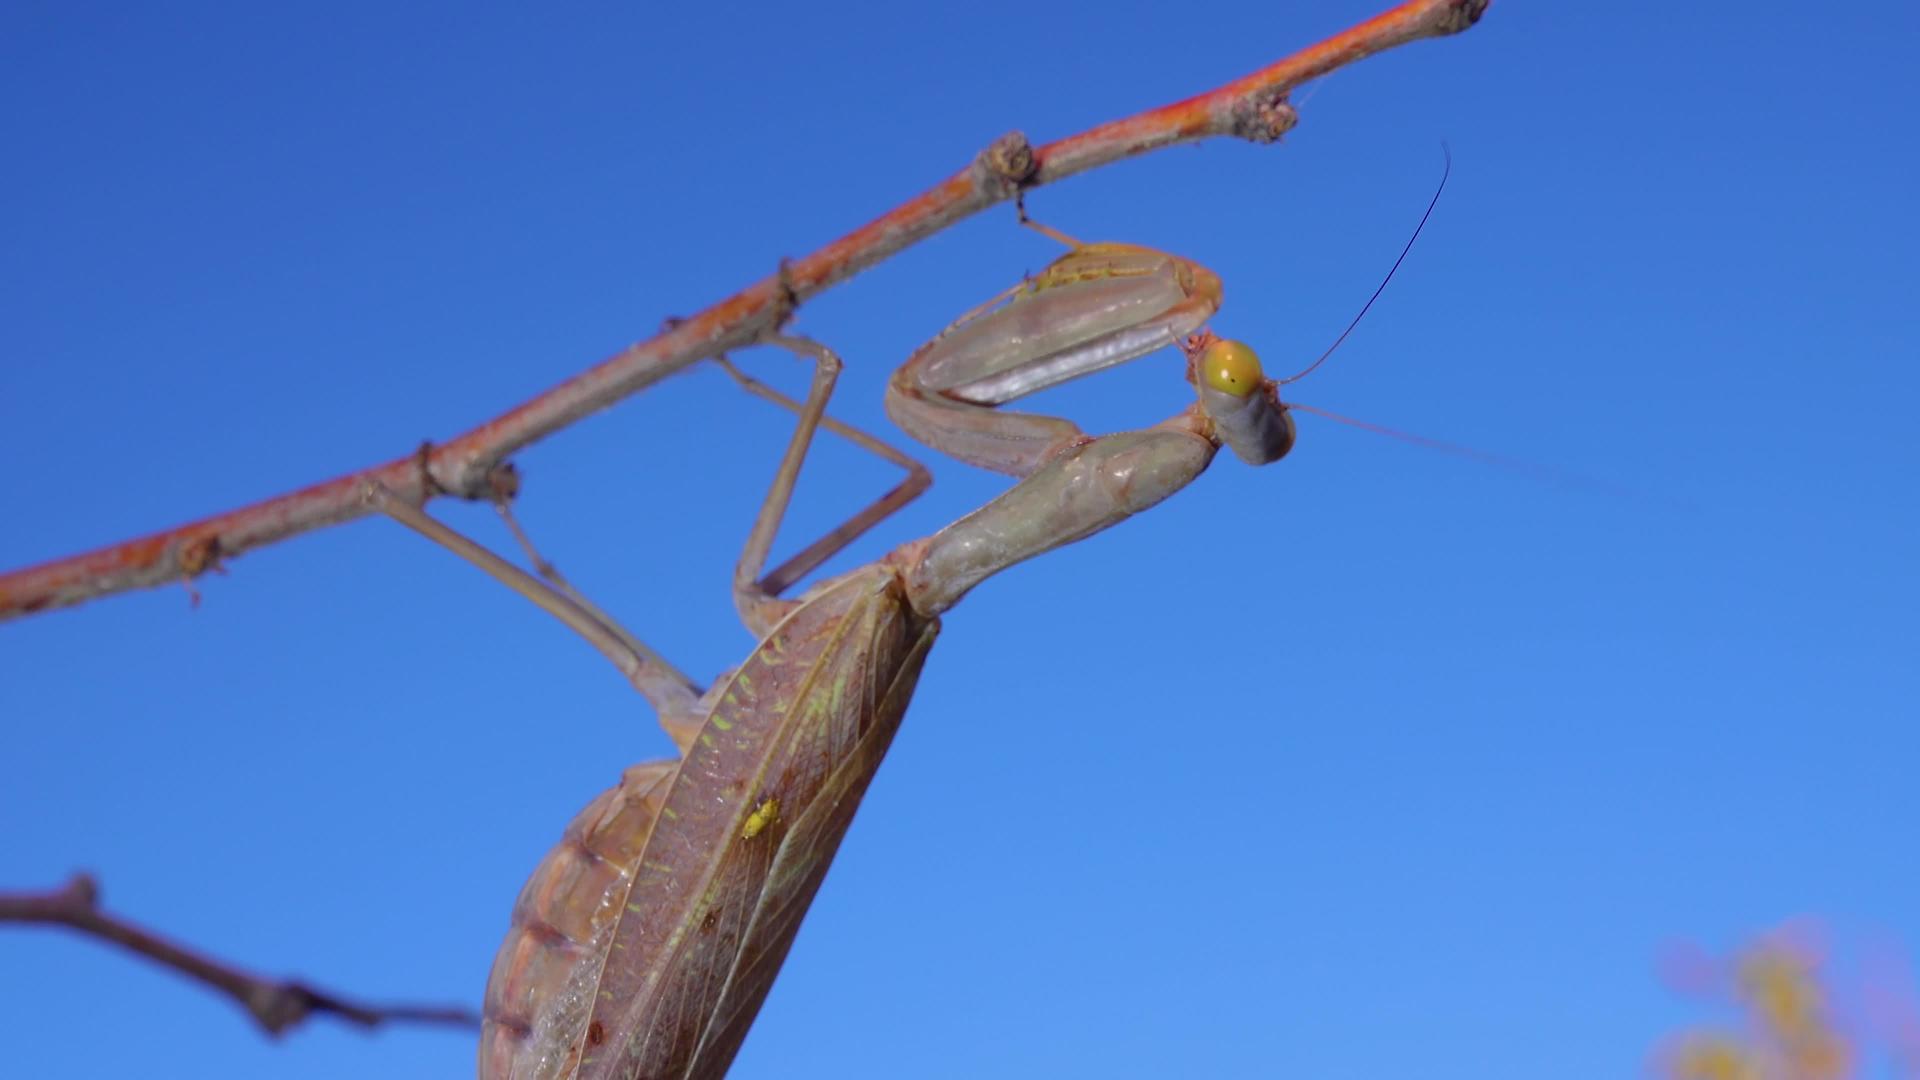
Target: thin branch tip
[(1465, 14)]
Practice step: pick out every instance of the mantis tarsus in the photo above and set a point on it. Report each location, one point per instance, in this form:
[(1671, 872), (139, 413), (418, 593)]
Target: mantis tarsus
[(644, 943)]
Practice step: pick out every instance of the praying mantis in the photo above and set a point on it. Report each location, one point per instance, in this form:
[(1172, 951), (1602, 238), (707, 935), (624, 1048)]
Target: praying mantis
[(1252, 106), (645, 941), (588, 985)]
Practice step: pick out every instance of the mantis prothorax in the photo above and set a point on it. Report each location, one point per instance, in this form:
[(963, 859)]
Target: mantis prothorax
[(645, 941)]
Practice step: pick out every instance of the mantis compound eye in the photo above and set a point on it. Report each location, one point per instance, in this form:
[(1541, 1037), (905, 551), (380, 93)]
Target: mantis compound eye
[(1231, 367)]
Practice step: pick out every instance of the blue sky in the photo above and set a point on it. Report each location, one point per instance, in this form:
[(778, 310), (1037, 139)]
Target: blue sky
[(1374, 762)]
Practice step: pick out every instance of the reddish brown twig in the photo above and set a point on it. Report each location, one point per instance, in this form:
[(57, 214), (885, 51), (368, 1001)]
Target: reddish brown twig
[(275, 1005), (1253, 107)]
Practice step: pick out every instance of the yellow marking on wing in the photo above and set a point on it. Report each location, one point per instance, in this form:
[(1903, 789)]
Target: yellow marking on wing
[(1089, 263), (763, 815), (719, 723)]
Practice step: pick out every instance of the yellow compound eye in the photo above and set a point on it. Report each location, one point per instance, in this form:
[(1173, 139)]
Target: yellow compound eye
[(1231, 367)]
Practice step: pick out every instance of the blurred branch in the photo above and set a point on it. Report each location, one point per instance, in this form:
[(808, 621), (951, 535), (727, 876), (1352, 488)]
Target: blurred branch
[(1254, 107), (275, 1005)]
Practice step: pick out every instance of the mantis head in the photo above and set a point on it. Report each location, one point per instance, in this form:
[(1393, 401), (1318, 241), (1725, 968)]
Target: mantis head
[(1243, 403)]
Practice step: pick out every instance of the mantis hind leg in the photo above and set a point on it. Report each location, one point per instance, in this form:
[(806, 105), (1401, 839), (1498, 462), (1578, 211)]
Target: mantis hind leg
[(758, 596), (673, 696)]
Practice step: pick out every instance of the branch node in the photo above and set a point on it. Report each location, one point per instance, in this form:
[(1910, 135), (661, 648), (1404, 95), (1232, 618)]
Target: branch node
[(1263, 116), (503, 483), (80, 894), (1005, 166), (198, 555), (423, 460), (786, 298)]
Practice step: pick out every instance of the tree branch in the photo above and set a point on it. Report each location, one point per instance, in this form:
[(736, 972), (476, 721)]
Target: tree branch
[(276, 1006), (1254, 107)]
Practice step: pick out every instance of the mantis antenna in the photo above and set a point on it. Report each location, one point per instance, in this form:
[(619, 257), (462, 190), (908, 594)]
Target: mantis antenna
[(1445, 171)]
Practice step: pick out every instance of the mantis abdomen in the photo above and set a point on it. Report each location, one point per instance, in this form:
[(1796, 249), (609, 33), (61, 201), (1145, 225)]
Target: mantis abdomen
[(645, 941)]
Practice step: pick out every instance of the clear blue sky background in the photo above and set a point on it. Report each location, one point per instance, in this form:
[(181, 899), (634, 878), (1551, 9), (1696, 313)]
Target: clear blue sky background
[(1378, 762)]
